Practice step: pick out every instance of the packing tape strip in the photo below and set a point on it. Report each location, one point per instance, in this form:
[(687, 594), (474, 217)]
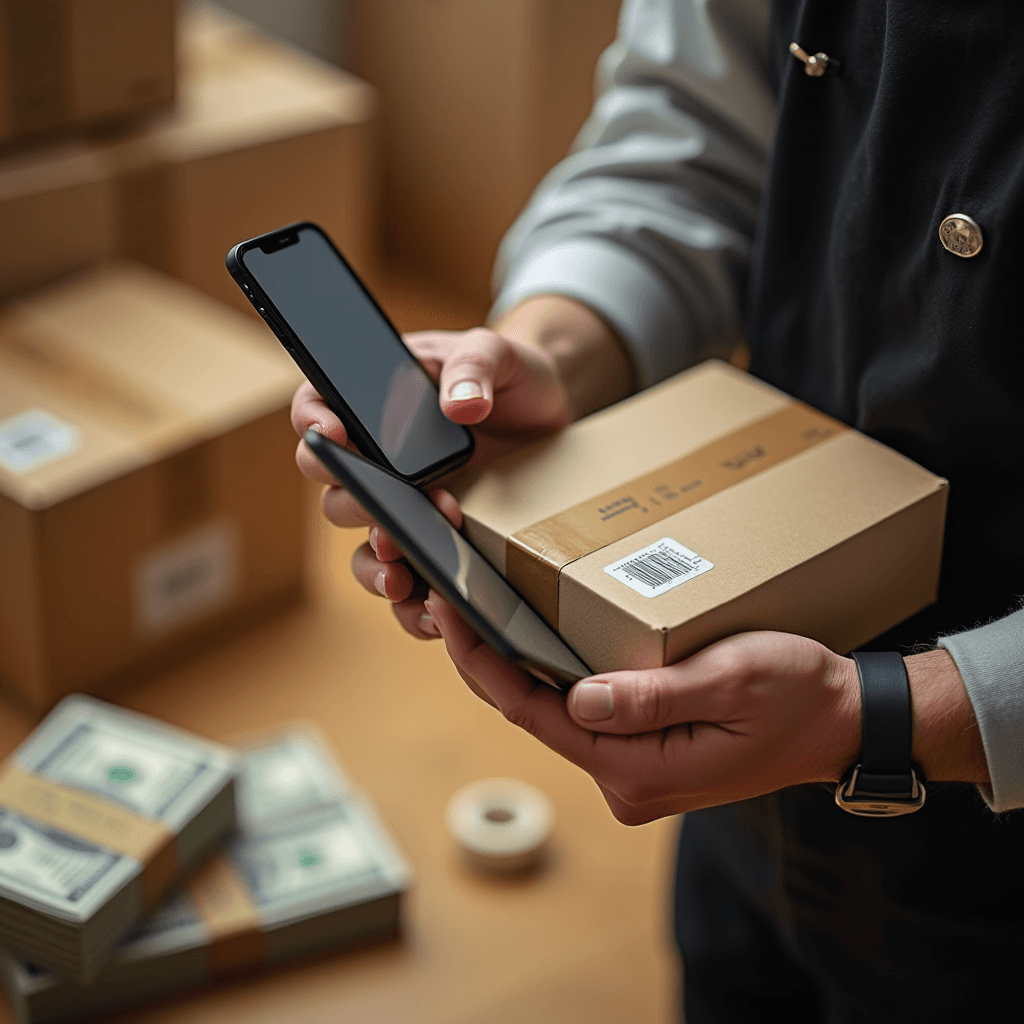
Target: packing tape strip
[(500, 824), (536, 555), (224, 904), (96, 820)]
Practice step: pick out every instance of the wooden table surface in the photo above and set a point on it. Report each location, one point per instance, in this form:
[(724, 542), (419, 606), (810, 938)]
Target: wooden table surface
[(583, 939)]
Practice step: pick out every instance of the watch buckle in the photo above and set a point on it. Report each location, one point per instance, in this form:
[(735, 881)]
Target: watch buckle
[(878, 806)]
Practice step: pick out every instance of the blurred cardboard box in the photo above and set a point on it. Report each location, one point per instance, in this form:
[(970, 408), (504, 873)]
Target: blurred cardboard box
[(705, 506), (56, 214), (262, 136), (481, 98), (67, 63), (148, 493)]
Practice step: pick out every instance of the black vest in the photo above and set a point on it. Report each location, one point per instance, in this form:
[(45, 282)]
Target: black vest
[(856, 307)]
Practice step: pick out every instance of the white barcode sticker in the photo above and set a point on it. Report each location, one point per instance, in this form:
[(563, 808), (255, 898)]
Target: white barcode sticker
[(659, 567), (187, 579), (33, 438)]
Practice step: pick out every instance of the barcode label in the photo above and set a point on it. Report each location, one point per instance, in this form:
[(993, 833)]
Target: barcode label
[(187, 579), (659, 567), (34, 438)]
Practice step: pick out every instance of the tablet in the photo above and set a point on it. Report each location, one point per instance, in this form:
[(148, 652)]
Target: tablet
[(453, 567)]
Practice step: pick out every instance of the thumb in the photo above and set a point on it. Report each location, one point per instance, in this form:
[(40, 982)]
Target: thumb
[(469, 375), (629, 703)]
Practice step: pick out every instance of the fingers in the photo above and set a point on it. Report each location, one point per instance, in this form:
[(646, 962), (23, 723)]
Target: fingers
[(392, 580), (310, 410), (533, 706), (342, 509), (415, 619)]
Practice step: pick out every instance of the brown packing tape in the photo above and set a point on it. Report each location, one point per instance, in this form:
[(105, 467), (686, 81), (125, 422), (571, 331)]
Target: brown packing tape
[(536, 555), (225, 906), (96, 820), (122, 403), (36, 63)]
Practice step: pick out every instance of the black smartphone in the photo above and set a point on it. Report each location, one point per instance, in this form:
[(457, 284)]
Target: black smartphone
[(349, 351), (453, 567)]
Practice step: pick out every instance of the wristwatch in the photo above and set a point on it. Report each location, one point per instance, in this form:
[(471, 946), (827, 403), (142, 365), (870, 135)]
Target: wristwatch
[(886, 782)]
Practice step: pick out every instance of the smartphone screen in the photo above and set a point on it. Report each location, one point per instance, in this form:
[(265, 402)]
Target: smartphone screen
[(357, 350), (453, 567)]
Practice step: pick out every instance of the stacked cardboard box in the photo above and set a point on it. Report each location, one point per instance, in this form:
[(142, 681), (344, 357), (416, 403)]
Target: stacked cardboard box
[(261, 136), (66, 64), (148, 493), (482, 98)]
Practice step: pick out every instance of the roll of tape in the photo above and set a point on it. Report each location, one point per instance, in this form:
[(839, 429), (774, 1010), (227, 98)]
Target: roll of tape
[(500, 824)]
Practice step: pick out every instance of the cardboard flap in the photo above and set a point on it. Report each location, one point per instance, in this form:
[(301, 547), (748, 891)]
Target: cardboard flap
[(137, 366)]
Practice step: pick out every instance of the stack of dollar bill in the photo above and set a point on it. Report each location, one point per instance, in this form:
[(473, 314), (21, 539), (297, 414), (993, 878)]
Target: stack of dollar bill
[(102, 812), (310, 868)]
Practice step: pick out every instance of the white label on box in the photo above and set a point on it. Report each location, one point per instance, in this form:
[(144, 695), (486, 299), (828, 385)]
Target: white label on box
[(187, 579), (33, 438), (659, 567)]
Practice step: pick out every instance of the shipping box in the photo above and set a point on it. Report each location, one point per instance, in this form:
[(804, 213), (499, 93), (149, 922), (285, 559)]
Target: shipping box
[(148, 493), (705, 506), (481, 98), (69, 63), (261, 136)]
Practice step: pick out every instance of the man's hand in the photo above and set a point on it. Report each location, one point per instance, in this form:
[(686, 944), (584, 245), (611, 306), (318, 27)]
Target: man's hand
[(547, 362), (746, 716)]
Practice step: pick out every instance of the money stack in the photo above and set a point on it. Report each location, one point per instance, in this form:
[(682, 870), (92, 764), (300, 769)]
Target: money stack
[(310, 868), (102, 812)]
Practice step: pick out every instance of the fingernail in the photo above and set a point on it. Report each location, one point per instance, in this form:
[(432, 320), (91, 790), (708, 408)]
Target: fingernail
[(378, 582), (592, 701), (428, 625), (373, 540), (319, 429), (465, 390)]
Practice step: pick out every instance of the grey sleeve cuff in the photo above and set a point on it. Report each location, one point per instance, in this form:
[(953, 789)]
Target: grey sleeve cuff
[(991, 662), (619, 287)]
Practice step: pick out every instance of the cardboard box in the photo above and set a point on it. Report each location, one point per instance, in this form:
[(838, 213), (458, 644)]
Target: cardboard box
[(56, 215), (709, 505), (148, 494), (68, 63), (481, 99), (264, 135), (261, 136)]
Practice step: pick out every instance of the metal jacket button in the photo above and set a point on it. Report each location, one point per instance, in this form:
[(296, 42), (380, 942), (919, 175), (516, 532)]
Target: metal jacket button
[(814, 63), (961, 235)]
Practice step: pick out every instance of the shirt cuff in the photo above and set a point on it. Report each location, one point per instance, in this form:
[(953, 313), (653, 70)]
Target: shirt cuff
[(991, 662), (623, 290)]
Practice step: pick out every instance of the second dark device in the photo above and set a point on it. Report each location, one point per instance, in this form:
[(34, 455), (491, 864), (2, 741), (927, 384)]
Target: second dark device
[(453, 567)]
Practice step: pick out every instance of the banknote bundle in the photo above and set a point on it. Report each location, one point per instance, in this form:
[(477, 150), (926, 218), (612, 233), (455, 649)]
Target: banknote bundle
[(310, 868), (102, 812)]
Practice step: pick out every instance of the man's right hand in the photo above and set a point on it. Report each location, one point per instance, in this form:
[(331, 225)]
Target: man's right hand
[(547, 362)]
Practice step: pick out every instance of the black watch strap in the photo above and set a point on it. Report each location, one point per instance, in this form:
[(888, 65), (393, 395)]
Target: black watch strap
[(885, 782)]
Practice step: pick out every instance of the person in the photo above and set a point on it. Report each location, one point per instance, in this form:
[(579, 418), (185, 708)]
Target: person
[(853, 204)]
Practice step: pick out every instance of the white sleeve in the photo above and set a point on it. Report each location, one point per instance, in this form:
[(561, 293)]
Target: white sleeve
[(649, 221), (991, 663)]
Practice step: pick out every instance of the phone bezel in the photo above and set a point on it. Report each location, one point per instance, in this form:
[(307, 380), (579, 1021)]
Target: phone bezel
[(324, 449), (244, 278)]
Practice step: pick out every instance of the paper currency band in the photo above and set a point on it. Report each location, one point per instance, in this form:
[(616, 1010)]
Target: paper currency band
[(95, 820), (225, 906), (535, 556)]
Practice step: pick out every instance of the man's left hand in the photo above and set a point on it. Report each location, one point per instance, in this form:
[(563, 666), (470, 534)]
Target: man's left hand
[(744, 717)]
